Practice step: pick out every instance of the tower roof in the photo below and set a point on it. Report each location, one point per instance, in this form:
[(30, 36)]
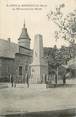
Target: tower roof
[(24, 33)]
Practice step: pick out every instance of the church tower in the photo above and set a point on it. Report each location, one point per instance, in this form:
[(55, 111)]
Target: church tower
[(24, 39)]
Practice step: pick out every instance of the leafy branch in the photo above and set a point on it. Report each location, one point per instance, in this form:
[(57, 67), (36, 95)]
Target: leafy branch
[(66, 24)]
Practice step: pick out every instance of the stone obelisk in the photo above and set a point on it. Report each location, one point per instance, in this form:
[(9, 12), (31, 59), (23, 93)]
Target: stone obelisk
[(39, 68)]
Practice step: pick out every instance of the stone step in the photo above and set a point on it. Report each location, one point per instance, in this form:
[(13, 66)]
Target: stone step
[(30, 85), (37, 86), (3, 85)]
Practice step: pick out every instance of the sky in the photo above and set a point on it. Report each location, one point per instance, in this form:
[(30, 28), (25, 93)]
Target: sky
[(12, 19)]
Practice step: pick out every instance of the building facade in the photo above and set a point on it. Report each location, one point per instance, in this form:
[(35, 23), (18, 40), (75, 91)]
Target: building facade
[(15, 58)]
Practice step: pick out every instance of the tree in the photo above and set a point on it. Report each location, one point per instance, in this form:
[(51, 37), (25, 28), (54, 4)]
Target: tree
[(66, 23), (55, 61)]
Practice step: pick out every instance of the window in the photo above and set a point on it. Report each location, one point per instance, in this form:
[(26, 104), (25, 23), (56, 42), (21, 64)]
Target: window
[(20, 70)]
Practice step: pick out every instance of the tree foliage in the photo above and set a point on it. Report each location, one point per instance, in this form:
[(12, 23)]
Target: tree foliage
[(66, 23), (56, 57)]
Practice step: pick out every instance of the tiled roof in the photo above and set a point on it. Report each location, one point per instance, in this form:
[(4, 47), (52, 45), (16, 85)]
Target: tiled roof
[(24, 33), (8, 49)]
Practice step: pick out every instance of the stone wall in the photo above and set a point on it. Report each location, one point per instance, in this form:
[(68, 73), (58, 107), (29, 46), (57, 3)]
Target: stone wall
[(23, 61), (6, 68)]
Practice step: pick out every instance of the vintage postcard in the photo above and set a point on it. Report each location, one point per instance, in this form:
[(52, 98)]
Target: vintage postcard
[(38, 58)]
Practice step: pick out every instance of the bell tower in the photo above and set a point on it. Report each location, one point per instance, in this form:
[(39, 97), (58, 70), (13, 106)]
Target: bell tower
[(24, 39)]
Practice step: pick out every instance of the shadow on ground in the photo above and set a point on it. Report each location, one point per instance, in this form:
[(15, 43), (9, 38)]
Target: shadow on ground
[(58, 113)]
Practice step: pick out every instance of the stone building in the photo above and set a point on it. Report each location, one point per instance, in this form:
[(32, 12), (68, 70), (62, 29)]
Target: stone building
[(15, 58)]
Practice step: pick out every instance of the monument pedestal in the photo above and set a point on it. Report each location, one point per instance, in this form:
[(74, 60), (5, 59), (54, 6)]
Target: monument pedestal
[(38, 74)]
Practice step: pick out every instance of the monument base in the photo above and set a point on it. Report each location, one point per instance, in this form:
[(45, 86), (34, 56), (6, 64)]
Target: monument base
[(39, 74)]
